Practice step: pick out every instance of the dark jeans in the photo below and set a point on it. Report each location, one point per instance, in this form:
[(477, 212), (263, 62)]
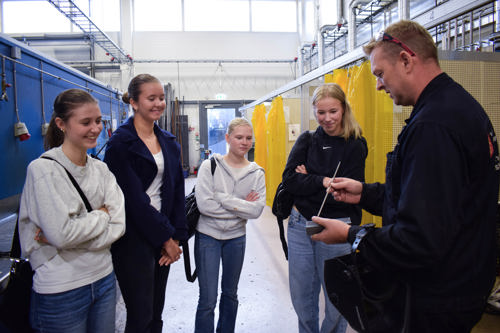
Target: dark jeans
[(142, 282)]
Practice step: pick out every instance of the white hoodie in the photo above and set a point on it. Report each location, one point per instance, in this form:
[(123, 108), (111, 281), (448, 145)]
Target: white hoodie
[(221, 198)]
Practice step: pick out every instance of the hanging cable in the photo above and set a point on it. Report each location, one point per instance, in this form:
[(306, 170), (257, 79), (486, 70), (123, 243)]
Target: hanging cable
[(5, 85), (20, 129), (15, 92), (45, 125)]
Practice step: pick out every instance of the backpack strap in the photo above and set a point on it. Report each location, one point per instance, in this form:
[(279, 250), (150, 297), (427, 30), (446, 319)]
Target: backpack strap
[(284, 244), (191, 277), (75, 184), (213, 165)]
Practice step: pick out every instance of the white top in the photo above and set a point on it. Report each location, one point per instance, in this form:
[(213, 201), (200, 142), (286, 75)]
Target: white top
[(79, 241), (154, 190)]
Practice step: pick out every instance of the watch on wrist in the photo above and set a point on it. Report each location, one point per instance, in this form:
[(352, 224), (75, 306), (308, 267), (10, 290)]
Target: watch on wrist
[(366, 229)]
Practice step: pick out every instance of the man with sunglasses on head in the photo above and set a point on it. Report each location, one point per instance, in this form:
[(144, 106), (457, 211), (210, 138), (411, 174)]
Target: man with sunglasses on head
[(439, 201)]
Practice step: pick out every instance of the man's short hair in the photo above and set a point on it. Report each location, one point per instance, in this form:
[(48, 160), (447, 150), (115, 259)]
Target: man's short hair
[(412, 34)]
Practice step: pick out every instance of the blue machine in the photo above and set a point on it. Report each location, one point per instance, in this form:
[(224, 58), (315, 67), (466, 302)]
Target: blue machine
[(30, 83)]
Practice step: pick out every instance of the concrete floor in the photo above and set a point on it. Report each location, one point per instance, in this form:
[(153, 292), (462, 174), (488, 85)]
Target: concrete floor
[(265, 305)]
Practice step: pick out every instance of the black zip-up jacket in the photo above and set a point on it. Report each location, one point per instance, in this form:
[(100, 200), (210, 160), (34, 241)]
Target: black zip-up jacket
[(439, 201), (321, 153)]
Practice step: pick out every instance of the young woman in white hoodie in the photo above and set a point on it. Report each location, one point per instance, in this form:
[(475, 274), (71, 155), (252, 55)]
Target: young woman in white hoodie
[(234, 193), (74, 286)]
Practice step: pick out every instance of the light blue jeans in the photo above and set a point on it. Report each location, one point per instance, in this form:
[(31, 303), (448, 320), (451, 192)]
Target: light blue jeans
[(88, 309), (306, 273), (208, 253)]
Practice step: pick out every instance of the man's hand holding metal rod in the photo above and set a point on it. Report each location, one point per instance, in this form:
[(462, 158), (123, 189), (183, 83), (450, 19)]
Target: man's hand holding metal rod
[(346, 190)]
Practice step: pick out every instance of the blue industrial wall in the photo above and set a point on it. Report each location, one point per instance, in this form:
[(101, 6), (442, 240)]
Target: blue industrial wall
[(31, 67)]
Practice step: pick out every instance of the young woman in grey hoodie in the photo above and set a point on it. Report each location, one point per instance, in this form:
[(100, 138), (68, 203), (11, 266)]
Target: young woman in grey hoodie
[(234, 193), (74, 286)]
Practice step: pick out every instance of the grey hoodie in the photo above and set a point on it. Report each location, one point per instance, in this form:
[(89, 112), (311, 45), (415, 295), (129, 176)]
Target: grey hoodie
[(78, 253), (221, 198)]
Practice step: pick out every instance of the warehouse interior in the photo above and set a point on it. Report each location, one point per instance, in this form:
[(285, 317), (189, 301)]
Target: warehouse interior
[(218, 59)]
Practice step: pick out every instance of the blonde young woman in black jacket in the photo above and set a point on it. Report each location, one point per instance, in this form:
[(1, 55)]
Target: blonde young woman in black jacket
[(310, 166)]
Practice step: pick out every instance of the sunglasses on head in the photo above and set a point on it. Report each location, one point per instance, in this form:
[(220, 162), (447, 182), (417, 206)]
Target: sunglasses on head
[(383, 36)]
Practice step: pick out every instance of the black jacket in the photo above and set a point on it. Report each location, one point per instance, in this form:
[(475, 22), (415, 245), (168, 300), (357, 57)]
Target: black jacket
[(439, 200), (321, 153), (135, 168)]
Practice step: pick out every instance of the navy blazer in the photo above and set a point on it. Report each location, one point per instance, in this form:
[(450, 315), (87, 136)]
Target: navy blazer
[(134, 168)]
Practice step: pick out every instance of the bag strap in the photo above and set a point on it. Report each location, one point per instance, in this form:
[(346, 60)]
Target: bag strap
[(75, 183), (15, 249), (213, 165), (191, 277), (284, 244)]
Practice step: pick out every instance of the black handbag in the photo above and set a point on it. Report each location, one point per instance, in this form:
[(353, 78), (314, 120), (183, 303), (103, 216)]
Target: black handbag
[(192, 217), (372, 301), (282, 207), (15, 298)]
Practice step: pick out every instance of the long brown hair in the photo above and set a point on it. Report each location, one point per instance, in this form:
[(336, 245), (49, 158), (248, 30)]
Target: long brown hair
[(64, 104)]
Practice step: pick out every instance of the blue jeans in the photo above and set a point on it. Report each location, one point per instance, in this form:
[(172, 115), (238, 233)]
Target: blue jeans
[(306, 273), (90, 308), (208, 252)]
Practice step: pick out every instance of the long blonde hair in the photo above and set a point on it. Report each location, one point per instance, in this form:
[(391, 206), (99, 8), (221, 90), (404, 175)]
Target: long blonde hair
[(350, 127)]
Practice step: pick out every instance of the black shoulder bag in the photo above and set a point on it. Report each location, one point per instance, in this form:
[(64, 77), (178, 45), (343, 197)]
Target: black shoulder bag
[(372, 301), (15, 299), (282, 206), (192, 217)]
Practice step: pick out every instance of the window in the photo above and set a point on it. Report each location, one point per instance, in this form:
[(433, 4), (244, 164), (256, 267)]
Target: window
[(104, 14), (217, 15), (31, 17), (280, 16), (158, 15), (328, 12)]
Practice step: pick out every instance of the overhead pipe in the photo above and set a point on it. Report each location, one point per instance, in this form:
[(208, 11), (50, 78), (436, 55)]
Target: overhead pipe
[(300, 61), (495, 37), (340, 13), (322, 34), (404, 9), (352, 22)]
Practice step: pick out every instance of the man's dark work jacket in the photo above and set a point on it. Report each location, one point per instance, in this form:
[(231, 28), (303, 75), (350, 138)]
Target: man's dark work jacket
[(439, 201)]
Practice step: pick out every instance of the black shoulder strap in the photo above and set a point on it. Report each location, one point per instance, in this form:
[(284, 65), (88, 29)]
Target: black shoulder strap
[(15, 250), (213, 164), (191, 277), (84, 198), (284, 244)]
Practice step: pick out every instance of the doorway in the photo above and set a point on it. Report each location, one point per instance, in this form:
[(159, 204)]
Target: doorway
[(214, 119)]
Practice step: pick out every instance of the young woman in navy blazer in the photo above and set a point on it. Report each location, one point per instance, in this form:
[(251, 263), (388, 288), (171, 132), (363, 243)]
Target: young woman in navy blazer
[(146, 162)]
